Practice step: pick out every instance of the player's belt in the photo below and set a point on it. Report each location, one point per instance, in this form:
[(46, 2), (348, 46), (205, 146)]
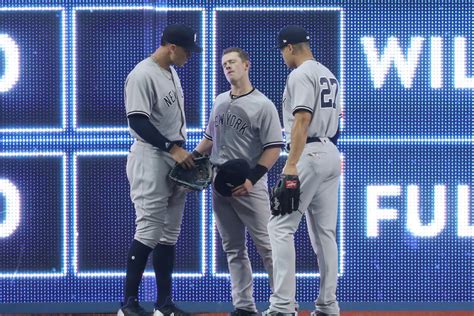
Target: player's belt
[(308, 140), (179, 143)]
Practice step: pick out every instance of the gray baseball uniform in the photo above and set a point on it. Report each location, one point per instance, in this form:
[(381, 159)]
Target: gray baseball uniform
[(155, 92), (313, 88), (243, 127)]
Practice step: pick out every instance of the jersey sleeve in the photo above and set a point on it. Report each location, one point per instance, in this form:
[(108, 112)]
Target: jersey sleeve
[(210, 125), (270, 128), (303, 92), (139, 95)]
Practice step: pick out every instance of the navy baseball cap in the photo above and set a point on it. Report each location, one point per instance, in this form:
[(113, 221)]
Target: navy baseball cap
[(292, 34), (230, 175), (181, 35)]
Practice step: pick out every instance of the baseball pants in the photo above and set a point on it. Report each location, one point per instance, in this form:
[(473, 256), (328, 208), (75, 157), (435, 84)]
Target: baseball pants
[(159, 203), (319, 169), (233, 217)]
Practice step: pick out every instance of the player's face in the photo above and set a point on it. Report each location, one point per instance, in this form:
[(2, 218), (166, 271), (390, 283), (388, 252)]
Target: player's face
[(234, 67), (179, 56)]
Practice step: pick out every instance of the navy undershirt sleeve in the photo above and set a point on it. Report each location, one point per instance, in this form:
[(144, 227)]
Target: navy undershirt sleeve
[(141, 124)]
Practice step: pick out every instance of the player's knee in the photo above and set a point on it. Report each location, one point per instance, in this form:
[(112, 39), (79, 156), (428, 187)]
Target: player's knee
[(236, 254), (277, 232), (233, 246), (146, 241), (272, 227), (155, 236)]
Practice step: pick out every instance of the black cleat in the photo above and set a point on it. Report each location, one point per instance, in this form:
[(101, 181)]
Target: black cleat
[(170, 310), (273, 313), (242, 312), (132, 308), (318, 313)]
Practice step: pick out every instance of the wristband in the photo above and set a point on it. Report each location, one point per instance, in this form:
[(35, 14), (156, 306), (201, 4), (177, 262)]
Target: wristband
[(257, 173)]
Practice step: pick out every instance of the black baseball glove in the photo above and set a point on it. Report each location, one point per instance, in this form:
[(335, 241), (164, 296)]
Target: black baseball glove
[(196, 179), (285, 195)]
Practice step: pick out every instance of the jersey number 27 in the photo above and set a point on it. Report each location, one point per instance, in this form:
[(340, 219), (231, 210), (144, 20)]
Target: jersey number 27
[(329, 88)]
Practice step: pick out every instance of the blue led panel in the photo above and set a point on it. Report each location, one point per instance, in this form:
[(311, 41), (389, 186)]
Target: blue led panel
[(409, 71), (32, 229), (268, 72), (408, 218), (123, 36), (105, 219), (32, 85)]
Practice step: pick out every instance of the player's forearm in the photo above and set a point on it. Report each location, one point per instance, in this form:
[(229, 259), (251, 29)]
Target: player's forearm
[(299, 133), (204, 147), (269, 157), (265, 163)]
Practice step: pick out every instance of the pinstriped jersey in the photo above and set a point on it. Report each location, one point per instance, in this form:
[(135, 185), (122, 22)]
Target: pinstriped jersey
[(157, 93), (242, 127), (312, 87)]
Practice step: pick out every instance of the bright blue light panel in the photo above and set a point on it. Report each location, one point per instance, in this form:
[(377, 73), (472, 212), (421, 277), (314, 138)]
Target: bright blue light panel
[(35, 246), (122, 38), (403, 261), (36, 98), (268, 72), (395, 109), (106, 218)]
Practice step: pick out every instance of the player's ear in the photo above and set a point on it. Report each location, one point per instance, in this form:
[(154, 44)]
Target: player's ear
[(247, 64), (172, 48), (291, 49)]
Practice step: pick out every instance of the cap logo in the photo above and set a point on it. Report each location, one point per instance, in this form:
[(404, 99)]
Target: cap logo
[(307, 37), (284, 41)]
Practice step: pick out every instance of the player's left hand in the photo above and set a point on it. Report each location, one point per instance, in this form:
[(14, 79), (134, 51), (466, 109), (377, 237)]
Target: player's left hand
[(182, 157), (243, 189), (290, 170)]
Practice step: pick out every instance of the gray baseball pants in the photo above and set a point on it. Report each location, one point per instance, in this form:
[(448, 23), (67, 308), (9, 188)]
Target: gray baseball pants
[(235, 216), (319, 169)]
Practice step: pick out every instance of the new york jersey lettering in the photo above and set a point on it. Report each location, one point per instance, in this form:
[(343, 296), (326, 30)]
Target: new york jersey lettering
[(170, 98), (231, 120)]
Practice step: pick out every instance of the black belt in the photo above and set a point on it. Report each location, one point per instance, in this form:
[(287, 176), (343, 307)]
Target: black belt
[(308, 140), (179, 143)]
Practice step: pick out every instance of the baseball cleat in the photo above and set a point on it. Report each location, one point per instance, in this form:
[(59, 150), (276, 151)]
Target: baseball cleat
[(275, 313), (242, 312), (132, 308), (318, 313), (170, 310)]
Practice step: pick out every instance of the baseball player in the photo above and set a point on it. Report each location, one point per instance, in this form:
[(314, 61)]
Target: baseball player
[(311, 109), (154, 103), (244, 124)]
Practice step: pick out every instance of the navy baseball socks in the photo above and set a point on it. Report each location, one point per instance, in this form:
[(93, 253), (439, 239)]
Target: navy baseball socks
[(163, 264), (136, 262)]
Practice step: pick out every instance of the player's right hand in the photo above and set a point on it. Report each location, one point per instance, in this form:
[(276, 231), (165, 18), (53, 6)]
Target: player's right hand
[(243, 189), (182, 157)]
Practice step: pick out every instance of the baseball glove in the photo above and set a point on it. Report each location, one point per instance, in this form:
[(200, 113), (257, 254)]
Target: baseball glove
[(285, 195), (196, 179)]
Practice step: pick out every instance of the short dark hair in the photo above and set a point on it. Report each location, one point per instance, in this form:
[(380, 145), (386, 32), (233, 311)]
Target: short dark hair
[(242, 54), (301, 46)]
